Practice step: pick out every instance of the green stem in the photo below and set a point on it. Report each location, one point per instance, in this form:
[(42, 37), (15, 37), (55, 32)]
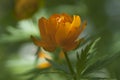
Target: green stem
[(69, 65), (37, 52)]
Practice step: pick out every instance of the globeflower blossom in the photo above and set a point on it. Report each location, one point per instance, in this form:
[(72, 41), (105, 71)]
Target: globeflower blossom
[(25, 8), (43, 55), (44, 64), (60, 30)]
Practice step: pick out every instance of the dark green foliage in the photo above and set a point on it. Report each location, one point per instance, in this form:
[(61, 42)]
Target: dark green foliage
[(102, 63), (59, 67), (83, 57)]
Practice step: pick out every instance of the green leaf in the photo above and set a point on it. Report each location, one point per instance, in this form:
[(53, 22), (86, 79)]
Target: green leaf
[(34, 76), (80, 64), (98, 78), (83, 56), (33, 71), (58, 66), (101, 63), (92, 49), (21, 33)]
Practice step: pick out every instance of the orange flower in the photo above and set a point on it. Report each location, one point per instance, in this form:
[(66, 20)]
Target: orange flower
[(60, 30), (43, 64), (44, 55), (25, 8)]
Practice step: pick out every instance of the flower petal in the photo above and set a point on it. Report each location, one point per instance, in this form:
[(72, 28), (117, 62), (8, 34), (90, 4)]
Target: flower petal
[(43, 28), (83, 26), (37, 42), (52, 28), (44, 65), (61, 33), (74, 30), (47, 46), (67, 18), (53, 22), (47, 31), (44, 55), (76, 21), (70, 46)]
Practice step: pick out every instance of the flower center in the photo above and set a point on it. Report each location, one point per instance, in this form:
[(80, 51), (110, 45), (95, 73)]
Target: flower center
[(60, 19)]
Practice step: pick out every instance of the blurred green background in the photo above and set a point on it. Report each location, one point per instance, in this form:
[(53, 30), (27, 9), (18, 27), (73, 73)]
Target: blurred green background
[(19, 18)]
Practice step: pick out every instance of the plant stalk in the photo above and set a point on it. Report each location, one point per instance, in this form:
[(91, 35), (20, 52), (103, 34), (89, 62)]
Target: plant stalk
[(70, 66)]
